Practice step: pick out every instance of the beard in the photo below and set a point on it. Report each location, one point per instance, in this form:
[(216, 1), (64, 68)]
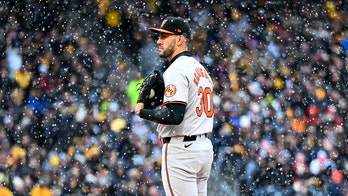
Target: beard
[(168, 51)]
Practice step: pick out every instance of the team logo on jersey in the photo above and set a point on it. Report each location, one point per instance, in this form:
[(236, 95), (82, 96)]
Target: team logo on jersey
[(170, 90)]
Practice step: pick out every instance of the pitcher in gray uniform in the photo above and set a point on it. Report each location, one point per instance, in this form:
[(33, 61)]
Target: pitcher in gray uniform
[(186, 116)]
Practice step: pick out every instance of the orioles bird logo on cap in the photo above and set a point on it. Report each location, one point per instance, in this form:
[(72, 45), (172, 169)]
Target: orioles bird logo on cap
[(164, 22)]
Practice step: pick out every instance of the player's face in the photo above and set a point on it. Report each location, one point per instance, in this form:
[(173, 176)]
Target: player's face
[(166, 44)]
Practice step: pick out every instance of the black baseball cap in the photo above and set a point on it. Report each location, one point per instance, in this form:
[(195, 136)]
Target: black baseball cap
[(174, 26)]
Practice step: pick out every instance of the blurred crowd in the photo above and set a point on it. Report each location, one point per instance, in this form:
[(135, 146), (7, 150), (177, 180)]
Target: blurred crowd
[(69, 76)]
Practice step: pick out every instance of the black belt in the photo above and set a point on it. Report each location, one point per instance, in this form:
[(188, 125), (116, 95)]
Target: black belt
[(166, 140)]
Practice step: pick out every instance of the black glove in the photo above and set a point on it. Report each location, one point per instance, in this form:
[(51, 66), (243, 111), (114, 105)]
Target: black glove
[(152, 90)]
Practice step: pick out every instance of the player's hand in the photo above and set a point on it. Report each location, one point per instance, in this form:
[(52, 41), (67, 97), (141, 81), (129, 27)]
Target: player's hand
[(138, 107), (151, 90)]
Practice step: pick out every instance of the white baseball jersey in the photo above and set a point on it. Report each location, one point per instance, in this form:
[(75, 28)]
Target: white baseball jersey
[(186, 81)]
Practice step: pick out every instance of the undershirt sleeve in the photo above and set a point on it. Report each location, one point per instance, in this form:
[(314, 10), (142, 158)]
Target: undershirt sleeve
[(171, 114)]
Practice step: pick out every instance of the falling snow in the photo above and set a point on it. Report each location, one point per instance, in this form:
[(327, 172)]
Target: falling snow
[(69, 75)]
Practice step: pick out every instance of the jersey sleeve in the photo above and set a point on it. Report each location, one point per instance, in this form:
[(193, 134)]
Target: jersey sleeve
[(176, 86)]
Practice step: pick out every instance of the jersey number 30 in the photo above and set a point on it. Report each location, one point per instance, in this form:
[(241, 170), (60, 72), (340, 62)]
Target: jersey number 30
[(206, 102)]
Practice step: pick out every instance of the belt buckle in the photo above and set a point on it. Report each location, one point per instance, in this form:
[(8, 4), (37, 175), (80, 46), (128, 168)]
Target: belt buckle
[(190, 138)]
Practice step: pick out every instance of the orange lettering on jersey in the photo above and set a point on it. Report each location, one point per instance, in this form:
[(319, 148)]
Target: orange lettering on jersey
[(200, 73), (170, 90)]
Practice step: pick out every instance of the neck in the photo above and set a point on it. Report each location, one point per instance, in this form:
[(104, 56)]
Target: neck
[(177, 51), (169, 62), (182, 53)]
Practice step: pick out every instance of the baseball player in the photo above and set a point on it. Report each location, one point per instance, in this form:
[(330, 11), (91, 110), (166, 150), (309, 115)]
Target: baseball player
[(185, 117)]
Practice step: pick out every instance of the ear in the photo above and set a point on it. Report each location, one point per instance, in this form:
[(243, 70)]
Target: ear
[(181, 40)]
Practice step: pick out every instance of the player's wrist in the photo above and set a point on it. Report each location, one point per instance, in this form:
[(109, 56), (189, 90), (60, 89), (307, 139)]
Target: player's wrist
[(138, 108)]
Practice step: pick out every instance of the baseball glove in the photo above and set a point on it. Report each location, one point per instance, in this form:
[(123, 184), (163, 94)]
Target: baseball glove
[(151, 90)]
